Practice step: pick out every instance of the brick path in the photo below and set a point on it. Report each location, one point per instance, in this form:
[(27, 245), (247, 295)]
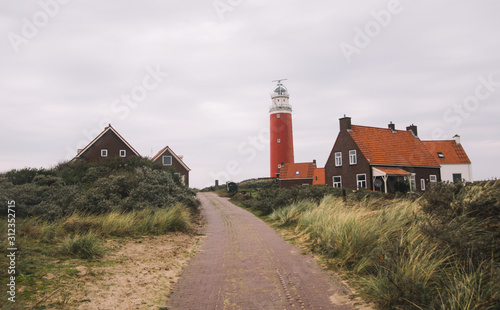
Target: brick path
[(244, 264)]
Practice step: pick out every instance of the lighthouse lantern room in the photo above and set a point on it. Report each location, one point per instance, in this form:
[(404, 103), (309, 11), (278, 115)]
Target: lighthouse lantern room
[(281, 142)]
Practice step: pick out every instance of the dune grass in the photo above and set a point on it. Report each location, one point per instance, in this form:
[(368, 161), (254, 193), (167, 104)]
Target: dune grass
[(391, 260)]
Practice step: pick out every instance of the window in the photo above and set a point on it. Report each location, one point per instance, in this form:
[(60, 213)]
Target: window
[(361, 180), (440, 155), (352, 157), (422, 184), (413, 183), (433, 178), (167, 160), (338, 159), (337, 181), (104, 153), (279, 140), (457, 177), (277, 116), (279, 166), (123, 153), (297, 173)]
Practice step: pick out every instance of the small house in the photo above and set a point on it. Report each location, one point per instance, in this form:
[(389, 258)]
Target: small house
[(170, 160), (380, 159)]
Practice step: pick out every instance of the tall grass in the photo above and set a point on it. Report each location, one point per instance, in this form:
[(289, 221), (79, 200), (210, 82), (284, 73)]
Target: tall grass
[(394, 261), (80, 234), (116, 223), (83, 246)]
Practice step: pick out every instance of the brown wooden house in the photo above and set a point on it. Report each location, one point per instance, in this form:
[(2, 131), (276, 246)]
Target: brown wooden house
[(108, 144), (380, 159), (170, 160)]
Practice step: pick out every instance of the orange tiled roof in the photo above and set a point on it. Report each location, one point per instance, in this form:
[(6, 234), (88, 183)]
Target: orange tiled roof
[(453, 153), (297, 171), (393, 171), (384, 147)]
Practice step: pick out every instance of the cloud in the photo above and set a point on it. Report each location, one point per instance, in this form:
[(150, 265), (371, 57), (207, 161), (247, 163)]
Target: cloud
[(59, 88)]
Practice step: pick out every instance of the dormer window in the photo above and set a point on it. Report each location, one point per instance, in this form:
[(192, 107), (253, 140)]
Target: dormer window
[(440, 155)]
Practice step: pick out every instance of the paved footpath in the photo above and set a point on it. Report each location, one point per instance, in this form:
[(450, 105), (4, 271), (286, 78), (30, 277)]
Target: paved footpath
[(244, 264)]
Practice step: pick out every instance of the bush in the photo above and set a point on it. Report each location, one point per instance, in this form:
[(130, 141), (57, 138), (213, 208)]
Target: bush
[(469, 211), (96, 188)]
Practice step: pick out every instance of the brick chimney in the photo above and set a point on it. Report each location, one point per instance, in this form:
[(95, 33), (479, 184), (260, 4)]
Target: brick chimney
[(392, 126), (413, 129), (457, 139), (345, 123)]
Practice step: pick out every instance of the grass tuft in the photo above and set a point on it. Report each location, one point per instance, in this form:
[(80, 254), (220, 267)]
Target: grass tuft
[(87, 246)]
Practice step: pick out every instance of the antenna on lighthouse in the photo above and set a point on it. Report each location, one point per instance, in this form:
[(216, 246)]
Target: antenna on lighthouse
[(279, 81)]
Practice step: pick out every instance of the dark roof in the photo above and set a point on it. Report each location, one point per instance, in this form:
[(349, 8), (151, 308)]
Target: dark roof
[(163, 150), (108, 128)]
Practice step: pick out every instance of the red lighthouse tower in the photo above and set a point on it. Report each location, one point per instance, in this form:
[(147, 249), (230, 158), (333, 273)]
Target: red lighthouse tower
[(281, 129)]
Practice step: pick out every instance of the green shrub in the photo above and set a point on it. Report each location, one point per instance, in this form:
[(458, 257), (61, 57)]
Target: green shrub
[(465, 218), (97, 188)]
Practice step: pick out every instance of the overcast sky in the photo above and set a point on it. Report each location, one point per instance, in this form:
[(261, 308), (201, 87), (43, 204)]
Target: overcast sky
[(197, 76)]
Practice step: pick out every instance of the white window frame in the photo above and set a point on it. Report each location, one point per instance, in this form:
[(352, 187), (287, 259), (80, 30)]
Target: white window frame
[(361, 181), (352, 157), (413, 183), (104, 152), (339, 183), (338, 159), (422, 184), (163, 160), (278, 115), (433, 178), (123, 153), (279, 140)]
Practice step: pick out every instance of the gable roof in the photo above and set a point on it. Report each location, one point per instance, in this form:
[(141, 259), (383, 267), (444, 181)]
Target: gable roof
[(382, 146), (453, 153), (167, 148), (108, 128), (291, 171)]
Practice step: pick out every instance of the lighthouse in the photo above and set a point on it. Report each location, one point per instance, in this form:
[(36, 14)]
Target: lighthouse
[(281, 142)]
